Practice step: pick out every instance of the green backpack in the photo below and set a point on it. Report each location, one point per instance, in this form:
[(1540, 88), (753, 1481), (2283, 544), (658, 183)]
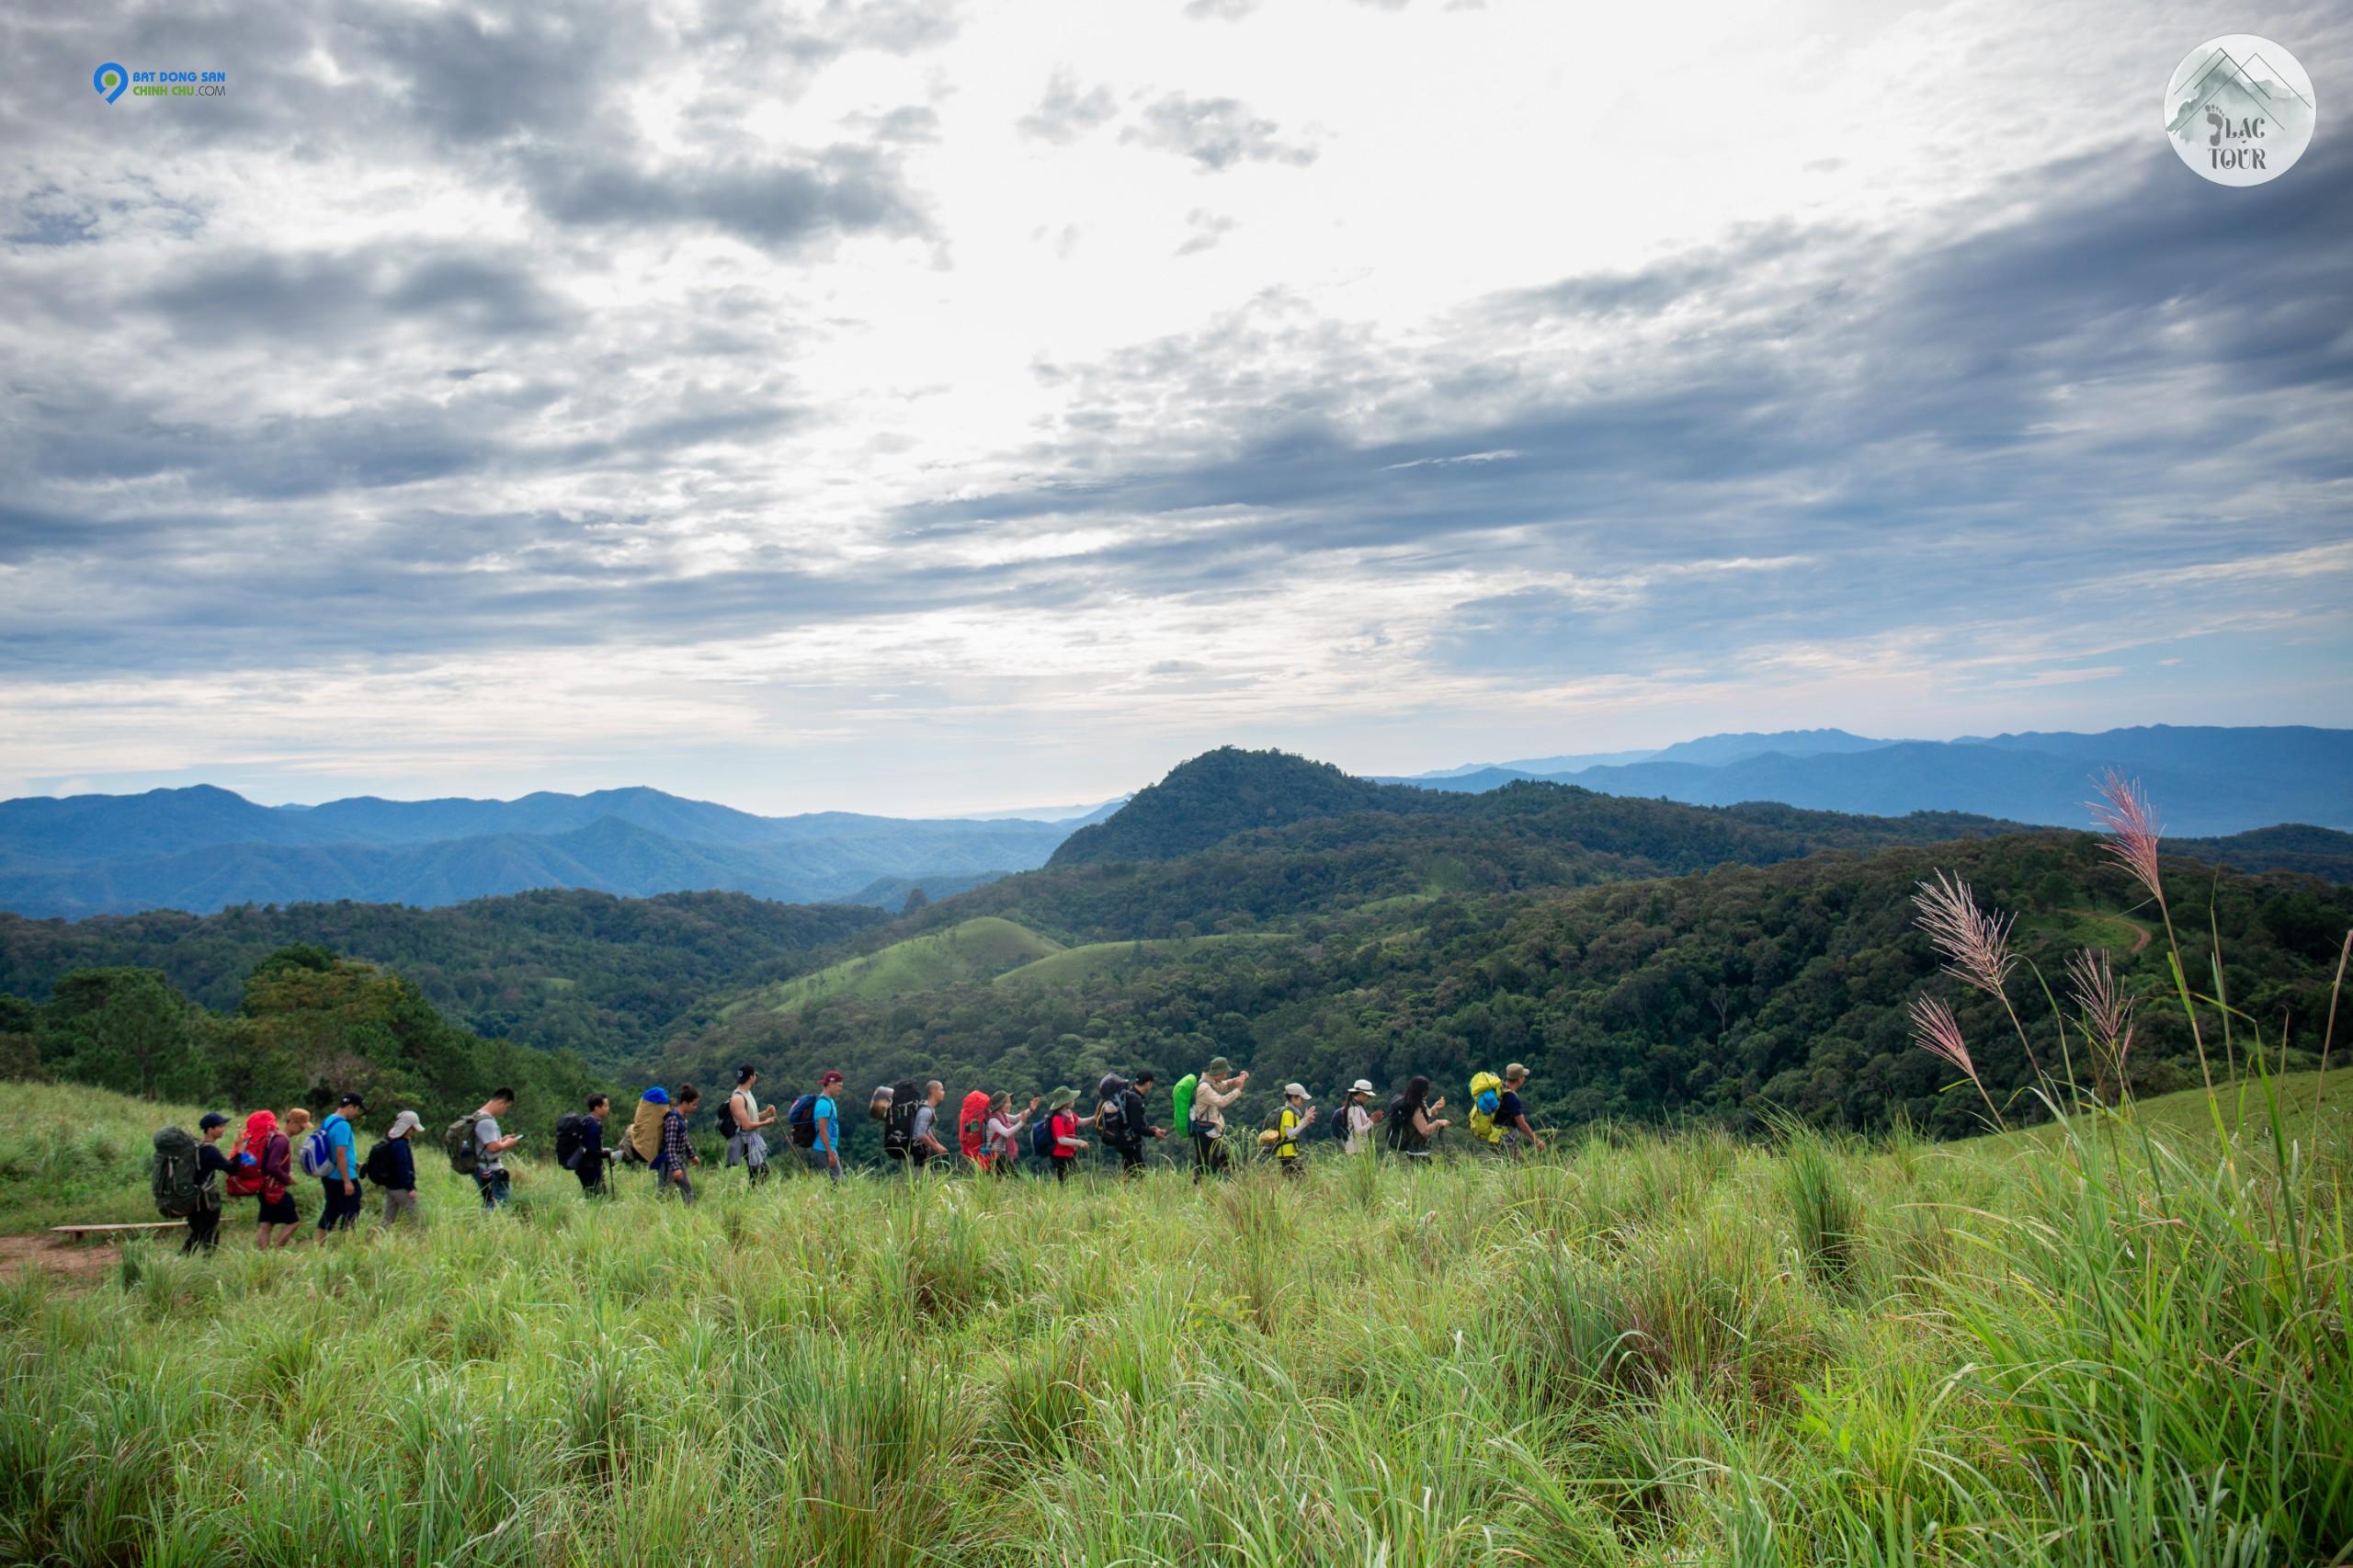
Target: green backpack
[(1184, 1098), (457, 1139), (179, 1190)]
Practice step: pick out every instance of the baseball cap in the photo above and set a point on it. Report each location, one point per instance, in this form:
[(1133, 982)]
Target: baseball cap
[(353, 1100), (1362, 1087), (212, 1118), (1515, 1070), (830, 1078), (407, 1121)]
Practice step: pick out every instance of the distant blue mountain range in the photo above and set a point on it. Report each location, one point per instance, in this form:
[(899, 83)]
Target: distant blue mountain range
[(203, 848), (2205, 780)]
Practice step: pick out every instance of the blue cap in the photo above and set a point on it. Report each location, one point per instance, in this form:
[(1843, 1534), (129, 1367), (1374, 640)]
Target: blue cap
[(212, 1118), (657, 1095)]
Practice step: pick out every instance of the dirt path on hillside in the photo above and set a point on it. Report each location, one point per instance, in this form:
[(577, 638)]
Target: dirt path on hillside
[(55, 1255), (2141, 934)]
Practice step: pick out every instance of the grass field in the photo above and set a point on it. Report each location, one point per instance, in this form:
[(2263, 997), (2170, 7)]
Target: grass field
[(1071, 965), (974, 949), (2119, 1344)]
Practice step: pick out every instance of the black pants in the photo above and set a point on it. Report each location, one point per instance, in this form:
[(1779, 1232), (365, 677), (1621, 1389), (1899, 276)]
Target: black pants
[(1061, 1167), (1130, 1157), (1208, 1154), (203, 1232)]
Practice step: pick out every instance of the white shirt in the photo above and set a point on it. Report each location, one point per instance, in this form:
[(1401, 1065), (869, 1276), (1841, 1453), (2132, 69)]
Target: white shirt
[(1359, 1128)]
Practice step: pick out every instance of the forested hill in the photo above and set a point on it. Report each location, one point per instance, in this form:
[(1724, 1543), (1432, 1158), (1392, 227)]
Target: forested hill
[(556, 968), (1724, 994)]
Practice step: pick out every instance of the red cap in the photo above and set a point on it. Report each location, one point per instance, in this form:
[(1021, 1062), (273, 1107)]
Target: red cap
[(831, 1078)]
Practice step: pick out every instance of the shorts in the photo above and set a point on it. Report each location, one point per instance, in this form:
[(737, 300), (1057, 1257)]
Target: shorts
[(281, 1210)]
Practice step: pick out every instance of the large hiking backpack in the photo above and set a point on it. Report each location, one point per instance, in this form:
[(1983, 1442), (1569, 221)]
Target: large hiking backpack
[(244, 1172), (457, 1139), (898, 1124), (181, 1189), (1183, 1095), (972, 1129), (571, 1132), (802, 1119), (1486, 1097)]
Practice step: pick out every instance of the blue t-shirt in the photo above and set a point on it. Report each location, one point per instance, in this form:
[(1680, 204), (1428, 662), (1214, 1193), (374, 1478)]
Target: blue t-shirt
[(828, 1117), (339, 1136)]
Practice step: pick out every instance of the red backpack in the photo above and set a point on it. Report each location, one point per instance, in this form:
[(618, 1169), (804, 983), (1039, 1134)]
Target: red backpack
[(972, 1129)]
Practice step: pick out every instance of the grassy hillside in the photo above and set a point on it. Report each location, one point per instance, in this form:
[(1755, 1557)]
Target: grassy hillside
[(979, 948), (1098, 961), (1643, 1350)]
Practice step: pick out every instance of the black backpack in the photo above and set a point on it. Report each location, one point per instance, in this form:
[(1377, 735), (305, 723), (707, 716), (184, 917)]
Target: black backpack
[(727, 1117), (1041, 1137), (570, 1134), (802, 1119), (1400, 1123), (380, 1166), (182, 1186), (1338, 1126), (899, 1126)]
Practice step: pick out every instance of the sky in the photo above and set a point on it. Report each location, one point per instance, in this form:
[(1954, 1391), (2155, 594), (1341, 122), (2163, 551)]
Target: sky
[(915, 406)]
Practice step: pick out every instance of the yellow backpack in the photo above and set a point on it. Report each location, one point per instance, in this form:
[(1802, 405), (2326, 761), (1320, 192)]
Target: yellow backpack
[(1486, 1094)]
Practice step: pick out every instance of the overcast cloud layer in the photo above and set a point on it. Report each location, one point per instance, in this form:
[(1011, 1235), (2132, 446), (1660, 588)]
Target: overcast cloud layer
[(912, 406)]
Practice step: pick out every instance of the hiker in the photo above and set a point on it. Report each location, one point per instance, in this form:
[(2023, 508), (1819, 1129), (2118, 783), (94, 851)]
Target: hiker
[(677, 1155), (741, 1118), (212, 1169), (825, 1119), (1355, 1121), (340, 1179), (1219, 1087), (1004, 1134), (272, 1154), (642, 1144), (1063, 1140), (1289, 1123), (1511, 1114), (924, 1139), (973, 1129), (490, 1147), (1414, 1120), (392, 1166), (1128, 1123), (583, 1150)]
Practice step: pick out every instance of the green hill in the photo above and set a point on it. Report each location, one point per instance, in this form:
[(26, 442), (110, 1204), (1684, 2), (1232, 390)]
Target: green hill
[(979, 948), (1220, 793), (1106, 959)]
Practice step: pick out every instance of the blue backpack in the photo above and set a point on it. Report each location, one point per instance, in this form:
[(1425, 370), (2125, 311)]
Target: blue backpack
[(803, 1120), (1041, 1138), (317, 1157)]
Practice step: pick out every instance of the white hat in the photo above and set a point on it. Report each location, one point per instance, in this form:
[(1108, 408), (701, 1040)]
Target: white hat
[(405, 1123), (1299, 1089), (1362, 1087)]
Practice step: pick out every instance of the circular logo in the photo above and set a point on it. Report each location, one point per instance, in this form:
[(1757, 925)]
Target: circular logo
[(2239, 109)]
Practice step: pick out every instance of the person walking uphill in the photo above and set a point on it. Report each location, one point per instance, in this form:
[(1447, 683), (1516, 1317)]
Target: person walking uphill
[(1219, 1087), (391, 1169), (1356, 1121), (923, 1141), (1063, 1129), (1126, 1124), (587, 1155), (272, 1155), (212, 1169), (742, 1120), (491, 1178), (1004, 1134), (825, 1117), (1511, 1115), (1414, 1120), (677, 1155), (1289, 1123), (341, 1179)]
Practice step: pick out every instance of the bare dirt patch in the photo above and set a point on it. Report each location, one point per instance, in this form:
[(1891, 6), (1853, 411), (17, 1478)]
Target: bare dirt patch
[(56, 1254)]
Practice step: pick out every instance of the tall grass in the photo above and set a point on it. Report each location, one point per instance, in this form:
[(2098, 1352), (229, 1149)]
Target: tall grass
[(2109, 1341)]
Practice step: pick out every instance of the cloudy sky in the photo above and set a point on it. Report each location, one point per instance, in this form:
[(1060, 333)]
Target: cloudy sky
[(917, 406)]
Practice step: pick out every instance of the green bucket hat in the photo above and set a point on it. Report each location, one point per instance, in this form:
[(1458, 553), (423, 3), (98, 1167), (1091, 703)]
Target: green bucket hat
[(1062, 1099), (1218, 1068)]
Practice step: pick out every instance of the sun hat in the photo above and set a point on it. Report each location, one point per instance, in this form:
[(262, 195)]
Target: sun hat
[(404, 1124), (1062, 1099), (1362, 1087), (1219, 1067), (1298, 1089)]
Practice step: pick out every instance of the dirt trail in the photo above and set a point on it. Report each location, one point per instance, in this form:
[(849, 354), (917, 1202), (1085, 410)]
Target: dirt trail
[(56, 1254), (2141, 934)]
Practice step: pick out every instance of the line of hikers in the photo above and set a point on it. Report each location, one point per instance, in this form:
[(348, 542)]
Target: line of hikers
[(191, 1175)]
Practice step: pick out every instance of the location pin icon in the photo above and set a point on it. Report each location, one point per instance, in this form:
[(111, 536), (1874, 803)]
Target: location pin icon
[(109, 80)]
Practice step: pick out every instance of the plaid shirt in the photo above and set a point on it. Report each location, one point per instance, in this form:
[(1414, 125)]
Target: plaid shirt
[(676, 1153)]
